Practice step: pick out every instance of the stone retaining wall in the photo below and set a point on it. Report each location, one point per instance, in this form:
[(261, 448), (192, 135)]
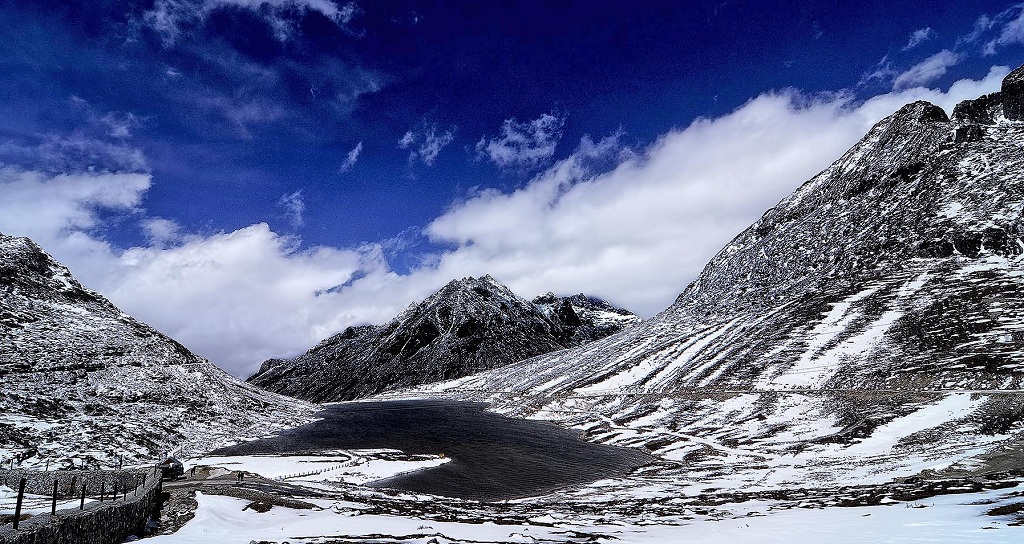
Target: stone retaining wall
[(109, 522)]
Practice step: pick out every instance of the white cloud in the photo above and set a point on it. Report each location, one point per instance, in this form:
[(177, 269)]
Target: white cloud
[(62, 212), (640, 232), (75, 152), (981, 26), (636, 232), (351, 158), (237, 297), (918, 37), (119, 124), (426, 145), (168, 16), (523, 145), (1011, 32), (161, 232), (998, 30), (927, 70), (882, 71), (293, 207)]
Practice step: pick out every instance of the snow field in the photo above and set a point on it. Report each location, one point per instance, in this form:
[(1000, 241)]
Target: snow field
[(946, 518), (356, 467)]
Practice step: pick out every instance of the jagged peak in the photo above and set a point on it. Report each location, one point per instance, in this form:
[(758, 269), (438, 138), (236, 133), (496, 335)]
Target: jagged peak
[(545, 298), (27, 265), (921, 111), (1015, 77), (470, 284), (982, 110)]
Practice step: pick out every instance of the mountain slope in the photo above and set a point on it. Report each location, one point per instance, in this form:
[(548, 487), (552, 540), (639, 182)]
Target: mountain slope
[(84, 383), (468, 326), (869, 325)]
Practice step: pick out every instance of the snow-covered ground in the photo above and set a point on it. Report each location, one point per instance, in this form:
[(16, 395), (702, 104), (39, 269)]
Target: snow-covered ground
[(32, 504), (358, 467), (948, 518)]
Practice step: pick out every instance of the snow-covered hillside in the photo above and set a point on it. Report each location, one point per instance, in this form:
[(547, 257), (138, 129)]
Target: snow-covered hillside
[(468, 326), (83, 383), (870, 325)]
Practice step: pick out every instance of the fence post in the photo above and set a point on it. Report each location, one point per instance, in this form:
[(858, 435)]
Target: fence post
[(53, 505), (81, 504), (103, 489), (21, 497)]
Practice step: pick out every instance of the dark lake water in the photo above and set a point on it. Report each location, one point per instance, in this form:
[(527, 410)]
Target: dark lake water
[(493, 457)]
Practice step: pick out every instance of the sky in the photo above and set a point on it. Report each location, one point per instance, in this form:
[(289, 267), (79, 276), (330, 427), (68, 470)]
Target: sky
[(252, 176)]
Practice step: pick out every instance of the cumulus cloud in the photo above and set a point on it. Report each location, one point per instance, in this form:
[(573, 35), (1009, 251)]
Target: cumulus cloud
[(167, 17), (351, 158), (927, 70), (236, 297), (918, 37), (241, 297), (161, 232), (425, 145), (293, 207), (639, 232), (523, 145), (634, 226)]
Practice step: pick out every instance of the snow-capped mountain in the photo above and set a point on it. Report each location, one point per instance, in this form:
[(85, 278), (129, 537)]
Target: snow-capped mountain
[(468, 326), (83, 383), (870, 325), (582, 319)]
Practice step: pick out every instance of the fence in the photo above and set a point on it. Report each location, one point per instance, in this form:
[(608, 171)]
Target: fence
[(120, 504)]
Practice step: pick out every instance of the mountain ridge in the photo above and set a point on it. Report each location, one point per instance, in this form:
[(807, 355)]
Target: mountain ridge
[(87, 385), (877, 305), (467, 326)]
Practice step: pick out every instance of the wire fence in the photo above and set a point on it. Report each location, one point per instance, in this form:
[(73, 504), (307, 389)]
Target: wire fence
[(31, 492)]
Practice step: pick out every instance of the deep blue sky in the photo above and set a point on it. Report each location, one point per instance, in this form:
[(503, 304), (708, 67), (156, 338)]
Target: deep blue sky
[(230, 117)]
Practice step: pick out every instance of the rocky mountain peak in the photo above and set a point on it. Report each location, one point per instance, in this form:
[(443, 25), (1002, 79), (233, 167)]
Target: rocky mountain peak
[(984, 110), (28, 268), (469, 325), (1007, 103), (921, 111), (484, 288)]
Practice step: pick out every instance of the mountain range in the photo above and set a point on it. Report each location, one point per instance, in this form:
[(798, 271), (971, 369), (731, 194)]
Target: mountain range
[(468, 326), (869, 326)]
